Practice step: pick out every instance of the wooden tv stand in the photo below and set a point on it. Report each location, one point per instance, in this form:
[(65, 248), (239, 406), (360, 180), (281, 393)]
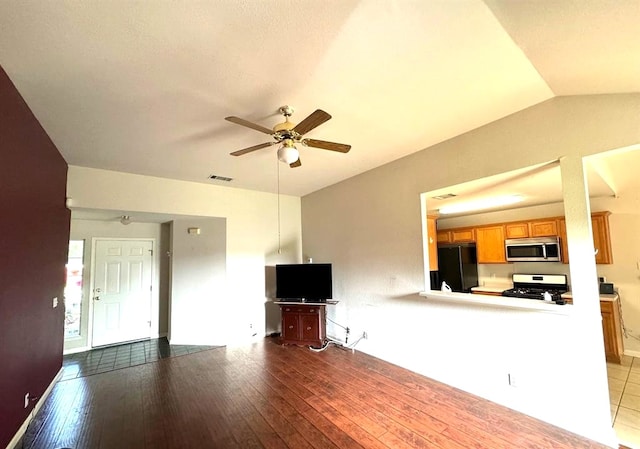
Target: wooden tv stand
[(303, 323)]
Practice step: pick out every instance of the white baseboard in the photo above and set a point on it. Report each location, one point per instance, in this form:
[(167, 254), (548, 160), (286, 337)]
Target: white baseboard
[(76, 350), (632, 353), (38, 406)]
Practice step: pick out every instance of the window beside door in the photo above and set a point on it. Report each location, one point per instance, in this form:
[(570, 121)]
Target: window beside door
[(73, 289)]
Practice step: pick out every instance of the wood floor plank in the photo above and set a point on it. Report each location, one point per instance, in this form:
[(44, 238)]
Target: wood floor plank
[(264, 395), (260, 399), (436, 404), (52, 415), (406, 416), (345, 423), (277, 399), (319, 421)]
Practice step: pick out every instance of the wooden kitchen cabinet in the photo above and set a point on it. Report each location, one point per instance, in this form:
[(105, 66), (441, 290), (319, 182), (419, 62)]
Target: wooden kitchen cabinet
[(601, 238), (303, 324), (490, 244), (543, 228), (487, 236), (612, 329), (534, 228), (564, 247), (443, 236), (461, 235), (516, 230), (432, 243)]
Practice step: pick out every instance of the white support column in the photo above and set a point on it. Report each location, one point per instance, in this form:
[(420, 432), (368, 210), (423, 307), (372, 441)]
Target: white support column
[(586, 324), (577, 212)]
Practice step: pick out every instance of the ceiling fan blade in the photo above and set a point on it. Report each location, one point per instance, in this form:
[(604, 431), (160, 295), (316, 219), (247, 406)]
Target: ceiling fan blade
[(339, 147), (316, 118), (253, 148), (295, 164), (248, 124)]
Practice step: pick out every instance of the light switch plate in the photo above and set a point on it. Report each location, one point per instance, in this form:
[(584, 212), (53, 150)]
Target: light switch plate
[(55, 302)]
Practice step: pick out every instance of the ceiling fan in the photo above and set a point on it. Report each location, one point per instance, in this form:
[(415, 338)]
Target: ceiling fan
[(289, 134)]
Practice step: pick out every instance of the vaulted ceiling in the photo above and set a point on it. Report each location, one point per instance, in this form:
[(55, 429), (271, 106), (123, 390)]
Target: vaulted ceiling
[(144, 86)]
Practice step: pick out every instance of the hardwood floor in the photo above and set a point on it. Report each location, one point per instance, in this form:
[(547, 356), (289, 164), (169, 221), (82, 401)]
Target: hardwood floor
[(269, 396)]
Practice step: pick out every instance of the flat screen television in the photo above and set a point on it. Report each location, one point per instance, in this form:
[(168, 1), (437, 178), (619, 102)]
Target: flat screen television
[(309, 281)]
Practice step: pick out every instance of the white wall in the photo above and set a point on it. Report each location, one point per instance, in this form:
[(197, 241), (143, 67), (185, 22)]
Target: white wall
[(252, 241), (87, 230), (370, 228), (198, 273)]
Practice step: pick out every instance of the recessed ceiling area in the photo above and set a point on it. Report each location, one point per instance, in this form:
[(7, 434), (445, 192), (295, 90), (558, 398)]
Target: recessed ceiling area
[(607, 174), (144, 87)]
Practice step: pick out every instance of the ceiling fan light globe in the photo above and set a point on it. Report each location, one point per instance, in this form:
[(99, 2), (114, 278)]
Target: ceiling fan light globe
[(288, 155)]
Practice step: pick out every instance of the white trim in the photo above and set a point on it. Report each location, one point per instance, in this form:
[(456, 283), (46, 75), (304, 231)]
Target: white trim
[(23, 428), (632, 353), (76, 350)]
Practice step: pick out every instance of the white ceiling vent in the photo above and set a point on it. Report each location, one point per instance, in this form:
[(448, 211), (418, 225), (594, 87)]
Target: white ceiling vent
[(220, 178)]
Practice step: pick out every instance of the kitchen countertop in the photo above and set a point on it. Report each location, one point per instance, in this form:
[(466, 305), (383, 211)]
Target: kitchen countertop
[(492, 288), (330, 302), (497, 301), (611, 298)]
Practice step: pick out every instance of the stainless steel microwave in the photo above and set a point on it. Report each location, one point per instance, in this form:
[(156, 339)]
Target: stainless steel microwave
[(535, 249)]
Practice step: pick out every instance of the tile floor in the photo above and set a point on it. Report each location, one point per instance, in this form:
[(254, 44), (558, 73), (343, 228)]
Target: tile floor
[(624, 393), (111, 358)]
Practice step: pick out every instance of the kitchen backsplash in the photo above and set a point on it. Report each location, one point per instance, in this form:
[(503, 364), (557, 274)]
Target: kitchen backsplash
[(490, 274)]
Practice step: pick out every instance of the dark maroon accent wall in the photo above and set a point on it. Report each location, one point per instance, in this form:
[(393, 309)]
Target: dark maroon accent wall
[(34, 237)]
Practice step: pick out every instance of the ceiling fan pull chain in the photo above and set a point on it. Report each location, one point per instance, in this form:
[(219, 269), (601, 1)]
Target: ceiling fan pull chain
[(278, 178)]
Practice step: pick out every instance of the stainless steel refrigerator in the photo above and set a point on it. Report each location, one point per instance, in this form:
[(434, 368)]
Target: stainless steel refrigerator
[(457, 266)]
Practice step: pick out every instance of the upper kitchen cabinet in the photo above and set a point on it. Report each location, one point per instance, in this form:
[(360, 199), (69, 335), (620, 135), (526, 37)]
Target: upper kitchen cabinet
[(490, 244), (535, 228), (543, 228), (461, 235), (516, 230), (601, 238), (432, 242), (490, 238)]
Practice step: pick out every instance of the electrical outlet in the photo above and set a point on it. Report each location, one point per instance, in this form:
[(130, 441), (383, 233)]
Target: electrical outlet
[(55, 302), (364, 335), (26, 400), (513, 380)]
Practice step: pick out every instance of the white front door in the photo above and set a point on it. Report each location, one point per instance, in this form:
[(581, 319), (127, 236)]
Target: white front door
[(122, 291)]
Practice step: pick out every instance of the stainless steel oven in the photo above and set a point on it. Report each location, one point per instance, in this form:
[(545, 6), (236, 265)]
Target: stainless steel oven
[(535, 249)]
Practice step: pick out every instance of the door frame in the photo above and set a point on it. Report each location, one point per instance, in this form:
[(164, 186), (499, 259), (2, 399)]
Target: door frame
[(94, 243)]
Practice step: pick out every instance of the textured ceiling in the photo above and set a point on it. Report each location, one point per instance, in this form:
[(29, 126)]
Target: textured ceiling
[(144, 86)]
